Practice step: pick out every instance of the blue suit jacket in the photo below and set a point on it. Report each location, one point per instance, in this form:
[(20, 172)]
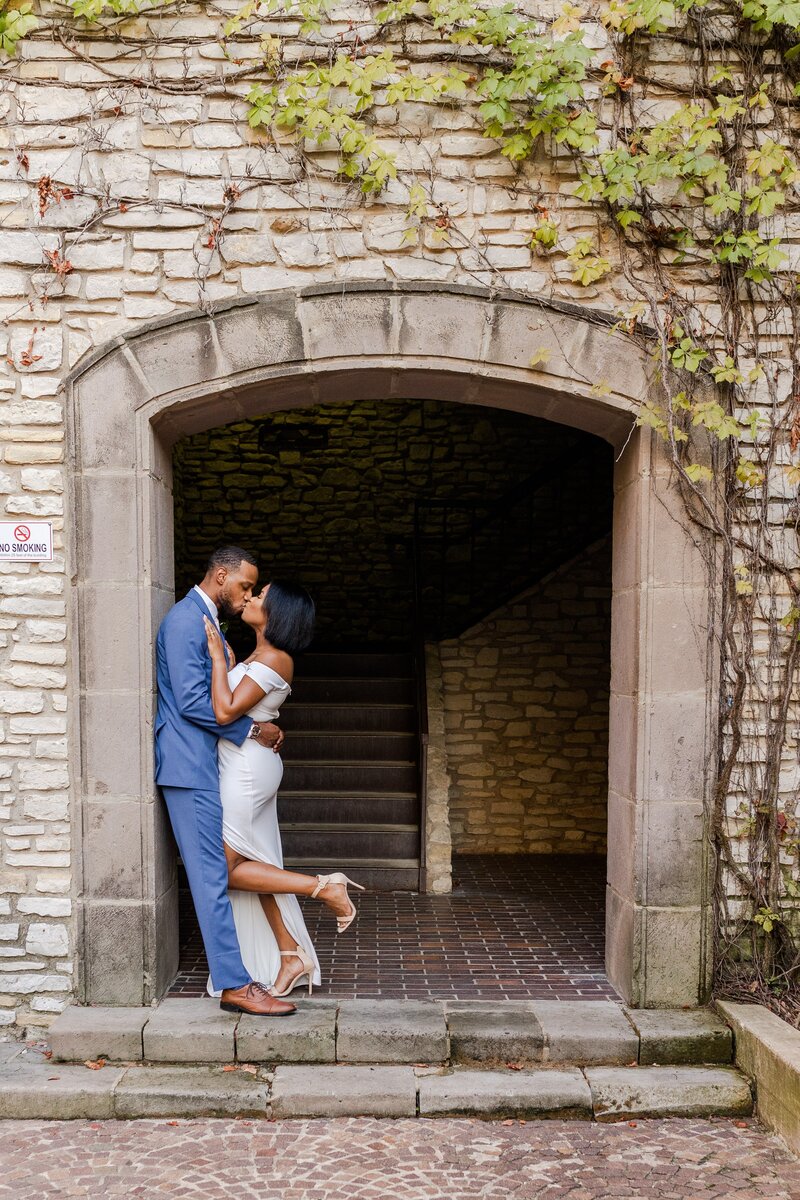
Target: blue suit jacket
[(186, 728)]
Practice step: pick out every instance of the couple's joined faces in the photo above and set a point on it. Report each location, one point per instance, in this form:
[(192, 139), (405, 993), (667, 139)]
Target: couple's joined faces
[(236, 590), (253, 613)]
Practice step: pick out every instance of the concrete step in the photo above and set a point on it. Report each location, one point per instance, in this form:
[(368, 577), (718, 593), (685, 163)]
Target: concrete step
[(382, 1058), (367, 664), (375, 874), (350, 746), (349, 842), (319, 718), (41, 1090), (354, 690), (449, 1033), (322, 808), (334, 776)]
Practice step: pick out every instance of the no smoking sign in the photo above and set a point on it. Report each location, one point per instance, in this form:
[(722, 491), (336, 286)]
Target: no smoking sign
[(29, 541)]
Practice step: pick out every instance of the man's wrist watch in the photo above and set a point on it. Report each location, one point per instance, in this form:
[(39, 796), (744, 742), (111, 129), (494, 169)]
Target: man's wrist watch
[(255, 730)]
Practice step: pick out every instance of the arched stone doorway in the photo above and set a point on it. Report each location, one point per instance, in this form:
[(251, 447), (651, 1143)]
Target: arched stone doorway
[(129, 403)]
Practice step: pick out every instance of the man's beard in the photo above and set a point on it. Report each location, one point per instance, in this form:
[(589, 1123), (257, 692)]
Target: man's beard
[(226, 609)]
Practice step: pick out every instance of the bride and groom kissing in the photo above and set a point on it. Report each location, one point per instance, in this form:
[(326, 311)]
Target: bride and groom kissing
[(219, 768)]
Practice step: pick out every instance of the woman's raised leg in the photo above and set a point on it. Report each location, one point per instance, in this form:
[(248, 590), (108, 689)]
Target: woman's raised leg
[(246, 875)]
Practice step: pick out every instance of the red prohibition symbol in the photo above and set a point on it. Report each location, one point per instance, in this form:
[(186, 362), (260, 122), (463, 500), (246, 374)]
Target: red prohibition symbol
[(22, 533)]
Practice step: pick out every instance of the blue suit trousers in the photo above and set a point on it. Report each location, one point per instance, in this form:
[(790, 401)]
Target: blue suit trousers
[(196, 818)]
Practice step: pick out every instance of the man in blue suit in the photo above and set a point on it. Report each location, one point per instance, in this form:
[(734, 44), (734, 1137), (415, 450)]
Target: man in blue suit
[(186, 767)]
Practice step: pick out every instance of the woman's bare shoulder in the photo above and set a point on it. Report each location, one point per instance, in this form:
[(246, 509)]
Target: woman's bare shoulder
[(277, 660)]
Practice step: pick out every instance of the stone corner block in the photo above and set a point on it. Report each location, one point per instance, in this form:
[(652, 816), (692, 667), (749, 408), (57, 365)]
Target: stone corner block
[(344, 1091), (586, 1031), (78, 1034), (57, 1093), (768, 1050), (508, 1031), (190, 1031), (189, 1092), (307, 1036), (540, 1093), (383, 1031), (622, 1092), (674, 1037)]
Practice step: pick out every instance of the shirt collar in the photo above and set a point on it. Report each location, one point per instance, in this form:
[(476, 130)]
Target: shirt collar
[(209, 603)]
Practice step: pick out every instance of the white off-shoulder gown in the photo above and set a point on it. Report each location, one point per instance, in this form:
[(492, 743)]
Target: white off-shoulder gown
[(249, 778)]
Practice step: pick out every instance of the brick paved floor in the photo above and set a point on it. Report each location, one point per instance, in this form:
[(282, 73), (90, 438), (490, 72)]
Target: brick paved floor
[(381, 1160), (515, 927)]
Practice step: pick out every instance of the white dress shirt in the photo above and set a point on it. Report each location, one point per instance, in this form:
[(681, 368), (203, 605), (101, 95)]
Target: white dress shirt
[(209, 603)]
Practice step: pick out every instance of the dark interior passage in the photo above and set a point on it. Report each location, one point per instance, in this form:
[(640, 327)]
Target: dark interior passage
[(485, 535), (347, 496)]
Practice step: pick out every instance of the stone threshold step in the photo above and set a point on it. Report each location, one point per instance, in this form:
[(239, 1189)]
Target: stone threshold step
[(31, 1090), (326, 1030)]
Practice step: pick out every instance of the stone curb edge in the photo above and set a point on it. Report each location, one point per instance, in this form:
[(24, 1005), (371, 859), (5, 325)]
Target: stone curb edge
[(767, 1049), (56, 1092), (328, 1030)]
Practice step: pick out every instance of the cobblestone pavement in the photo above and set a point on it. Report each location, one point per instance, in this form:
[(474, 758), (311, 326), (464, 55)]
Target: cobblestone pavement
[(516, 927), (410, 1160)]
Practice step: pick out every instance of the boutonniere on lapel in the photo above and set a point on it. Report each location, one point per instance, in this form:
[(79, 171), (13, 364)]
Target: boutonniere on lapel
[(224, 627)]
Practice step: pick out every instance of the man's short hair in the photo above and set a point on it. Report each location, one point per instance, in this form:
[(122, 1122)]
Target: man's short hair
[(229, 557)]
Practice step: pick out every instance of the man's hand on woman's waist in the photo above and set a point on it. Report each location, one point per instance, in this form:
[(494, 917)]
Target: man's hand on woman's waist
[(268, 735)]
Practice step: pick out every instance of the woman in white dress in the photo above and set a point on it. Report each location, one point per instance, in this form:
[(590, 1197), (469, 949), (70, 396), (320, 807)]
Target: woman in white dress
[(273, 938)]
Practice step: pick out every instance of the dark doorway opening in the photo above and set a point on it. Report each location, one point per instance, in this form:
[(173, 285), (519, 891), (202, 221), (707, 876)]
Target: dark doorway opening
[(485, 534)]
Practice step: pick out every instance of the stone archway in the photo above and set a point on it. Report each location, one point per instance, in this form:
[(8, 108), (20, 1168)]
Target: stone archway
[(130, 401)]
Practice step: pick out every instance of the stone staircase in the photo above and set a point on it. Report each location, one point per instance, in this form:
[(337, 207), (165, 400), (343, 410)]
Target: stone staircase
[(350, 794), (593, 1060)]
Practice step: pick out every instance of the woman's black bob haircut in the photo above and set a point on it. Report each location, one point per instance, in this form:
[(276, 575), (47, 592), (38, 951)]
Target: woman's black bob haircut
[(290, 614)]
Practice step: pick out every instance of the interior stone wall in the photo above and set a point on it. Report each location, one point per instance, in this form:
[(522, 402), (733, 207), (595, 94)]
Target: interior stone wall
[(526, 697), (327, 495)]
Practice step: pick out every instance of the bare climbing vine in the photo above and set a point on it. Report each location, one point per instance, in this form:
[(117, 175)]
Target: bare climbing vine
[(694, 181)]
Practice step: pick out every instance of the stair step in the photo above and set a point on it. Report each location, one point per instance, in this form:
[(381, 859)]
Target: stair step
[(353, 690), (322, 808), (375, 874), (368, 665), (362, 1058), (366, 718), (337, 776), (351, 826), (351, 842), (350, 747)]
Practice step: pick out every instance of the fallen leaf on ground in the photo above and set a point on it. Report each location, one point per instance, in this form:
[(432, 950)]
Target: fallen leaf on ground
[(95, 1065), (250, 1068), (514, 1066)]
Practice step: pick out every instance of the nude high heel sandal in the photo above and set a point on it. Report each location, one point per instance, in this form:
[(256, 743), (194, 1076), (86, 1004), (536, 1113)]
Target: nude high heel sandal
[(306, 975), (342, 923)]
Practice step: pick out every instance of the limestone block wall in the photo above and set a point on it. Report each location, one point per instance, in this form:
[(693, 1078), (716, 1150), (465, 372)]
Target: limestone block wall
[(526, 718), (326, 495)]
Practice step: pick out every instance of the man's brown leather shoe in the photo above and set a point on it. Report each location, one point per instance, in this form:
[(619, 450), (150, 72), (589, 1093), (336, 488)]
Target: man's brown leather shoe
[(255, 999)]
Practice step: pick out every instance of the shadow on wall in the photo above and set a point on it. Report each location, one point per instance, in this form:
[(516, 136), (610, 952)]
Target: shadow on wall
[(328, 494)]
